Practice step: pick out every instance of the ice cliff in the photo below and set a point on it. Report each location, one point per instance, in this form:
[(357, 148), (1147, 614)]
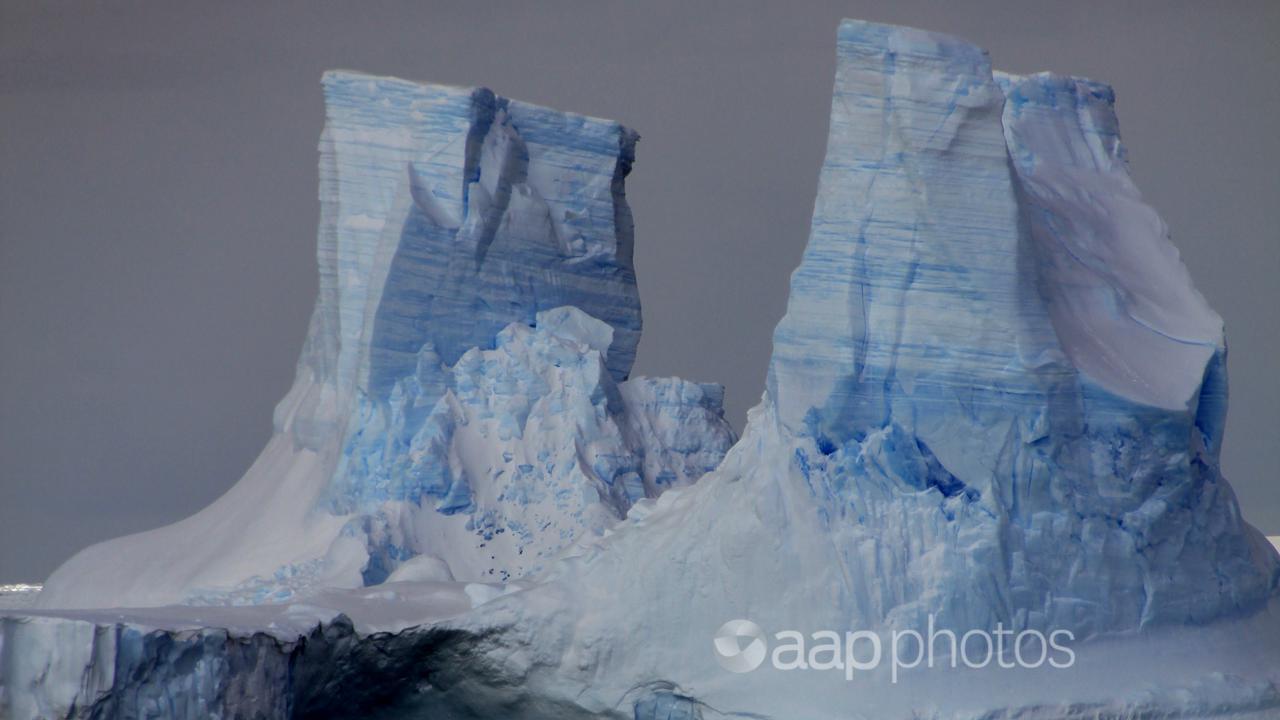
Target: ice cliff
[(461, 405), (980, 363), (995, 403)]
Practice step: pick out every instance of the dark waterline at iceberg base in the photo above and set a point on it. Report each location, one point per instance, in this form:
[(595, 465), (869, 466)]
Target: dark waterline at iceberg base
[(996, 403)]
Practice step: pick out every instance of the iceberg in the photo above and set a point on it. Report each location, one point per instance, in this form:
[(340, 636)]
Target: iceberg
[(461, 401), (994, 410), (985, 364)]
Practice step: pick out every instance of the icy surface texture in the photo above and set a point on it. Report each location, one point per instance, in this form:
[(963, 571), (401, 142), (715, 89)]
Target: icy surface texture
[(996, 401), (934, 446), (461, 395), (1005, 395), (529, 446), (409, 650), (449, 213)]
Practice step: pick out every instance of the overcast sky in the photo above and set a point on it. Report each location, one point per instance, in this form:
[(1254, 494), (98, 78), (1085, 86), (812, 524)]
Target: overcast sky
[(158, 203)]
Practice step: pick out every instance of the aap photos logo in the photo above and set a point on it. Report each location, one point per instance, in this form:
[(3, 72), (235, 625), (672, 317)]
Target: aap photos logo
[(740, 646)]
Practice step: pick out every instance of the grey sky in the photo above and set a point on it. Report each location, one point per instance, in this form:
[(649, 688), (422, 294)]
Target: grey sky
[(158, 203)]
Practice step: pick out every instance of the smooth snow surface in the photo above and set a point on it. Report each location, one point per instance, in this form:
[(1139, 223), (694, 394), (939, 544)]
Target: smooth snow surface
[(1122, 303)]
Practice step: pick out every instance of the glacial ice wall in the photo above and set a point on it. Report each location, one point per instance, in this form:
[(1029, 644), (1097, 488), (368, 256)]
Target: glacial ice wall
[(447, 213), (991, 332), (996, 401), (461, 402)]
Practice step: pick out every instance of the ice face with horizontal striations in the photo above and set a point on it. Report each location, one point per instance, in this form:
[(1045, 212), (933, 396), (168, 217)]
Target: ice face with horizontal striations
[(447, 213), (1014, 359), (910, 284), (461, 400)]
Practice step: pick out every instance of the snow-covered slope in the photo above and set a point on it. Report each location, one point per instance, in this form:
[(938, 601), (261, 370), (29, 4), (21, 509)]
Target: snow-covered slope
[(457, 404)]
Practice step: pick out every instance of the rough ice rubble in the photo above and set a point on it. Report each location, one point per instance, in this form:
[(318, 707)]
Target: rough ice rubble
[(461, 394), (932, 442), (529, 446)]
